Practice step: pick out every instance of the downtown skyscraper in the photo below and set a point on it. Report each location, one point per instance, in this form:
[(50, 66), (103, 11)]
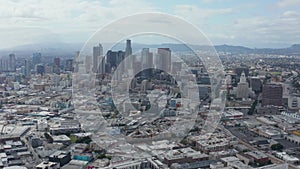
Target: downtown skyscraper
[(163, 59), (128, 54), (12, 63), (97, 54)]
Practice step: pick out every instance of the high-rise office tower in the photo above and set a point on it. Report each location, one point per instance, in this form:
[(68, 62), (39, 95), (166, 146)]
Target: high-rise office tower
[(144, 57), (36, 59), (128, 53), (57, 62), (111, 58), (128, 50), (97, 53), (164, 59), (101, 65), (147, 62), (77, 61), (114, 58), (3, 65), (27, 68), (120, 58), (56, 68), (88, 64), (147, 58), (12, 63), (243, 87), (107, 68), (69, 65), (256, 84), (272, 94)]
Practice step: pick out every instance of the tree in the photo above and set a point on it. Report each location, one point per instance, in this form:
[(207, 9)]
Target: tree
[(277, 147), (252, 109), (48, 137)]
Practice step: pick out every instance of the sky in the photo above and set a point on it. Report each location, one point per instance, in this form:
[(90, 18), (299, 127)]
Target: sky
[(251, 23)]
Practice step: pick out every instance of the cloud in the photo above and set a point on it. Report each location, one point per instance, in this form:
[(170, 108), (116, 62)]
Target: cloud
[(288, 3), (287, 22), (71, 10), (207, 1), (76, 20), (190, 11), (213, 1), (291, 15), (283, 28), (64, 17)]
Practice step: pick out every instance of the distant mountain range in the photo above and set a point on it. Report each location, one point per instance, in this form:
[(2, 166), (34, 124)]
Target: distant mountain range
[(294, 49), (69, 49), (47, 49)]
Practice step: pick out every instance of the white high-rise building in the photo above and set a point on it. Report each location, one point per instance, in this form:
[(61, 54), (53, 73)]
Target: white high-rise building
[(243, 87), (164, 59), (147, 58)]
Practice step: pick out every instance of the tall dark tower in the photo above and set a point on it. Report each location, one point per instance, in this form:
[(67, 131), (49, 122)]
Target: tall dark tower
[(57, 62), (128, 52), (56, 67)]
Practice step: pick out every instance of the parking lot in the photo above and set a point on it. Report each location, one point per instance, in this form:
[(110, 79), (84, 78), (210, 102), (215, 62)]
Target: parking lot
[(244, 134), (287, 144)]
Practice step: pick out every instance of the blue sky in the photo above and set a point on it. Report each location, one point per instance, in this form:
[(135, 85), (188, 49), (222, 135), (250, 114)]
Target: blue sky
[(252, 23)]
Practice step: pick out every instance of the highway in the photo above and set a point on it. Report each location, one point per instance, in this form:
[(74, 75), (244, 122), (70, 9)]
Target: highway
[(30, 148)]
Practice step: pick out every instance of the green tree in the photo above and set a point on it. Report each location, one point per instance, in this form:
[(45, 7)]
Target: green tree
[(252, 109), (48, 137), (277, 147)]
